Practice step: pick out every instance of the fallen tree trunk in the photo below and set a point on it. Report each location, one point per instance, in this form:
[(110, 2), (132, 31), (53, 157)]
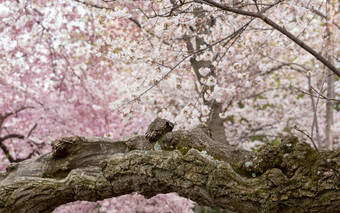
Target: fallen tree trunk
[(287, 178)]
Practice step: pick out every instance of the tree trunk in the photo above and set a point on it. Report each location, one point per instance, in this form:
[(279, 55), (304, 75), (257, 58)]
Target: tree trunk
[(287, 178), (215, 123), (330, 79)]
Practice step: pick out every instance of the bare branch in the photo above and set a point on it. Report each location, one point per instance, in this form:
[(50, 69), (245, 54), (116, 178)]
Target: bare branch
[(30, 132), (6, 115), (267, 20), (11, 136), (5, 149)]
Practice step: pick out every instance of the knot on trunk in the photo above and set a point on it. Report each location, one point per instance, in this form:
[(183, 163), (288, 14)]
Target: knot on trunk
[(157, 129), (63, 147)]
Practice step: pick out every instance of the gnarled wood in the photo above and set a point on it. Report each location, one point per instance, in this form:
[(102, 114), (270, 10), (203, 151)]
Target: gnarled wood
[(288, 178)]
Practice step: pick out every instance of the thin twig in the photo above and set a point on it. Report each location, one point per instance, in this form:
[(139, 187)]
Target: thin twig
[(315, 116), (30, 132)]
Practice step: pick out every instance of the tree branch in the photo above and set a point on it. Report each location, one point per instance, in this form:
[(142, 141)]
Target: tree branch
[(6, 115), (5, 149), (289, 178), (277, 27)]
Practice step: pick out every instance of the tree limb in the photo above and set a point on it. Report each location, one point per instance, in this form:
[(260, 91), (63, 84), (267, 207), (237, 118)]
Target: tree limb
[(5, 149), (270, 22), (287, 178), (6, 115)]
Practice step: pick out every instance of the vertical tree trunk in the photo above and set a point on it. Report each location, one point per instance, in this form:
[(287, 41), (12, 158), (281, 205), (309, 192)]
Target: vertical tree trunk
[(215, 123), (330, 78), (329, 111)]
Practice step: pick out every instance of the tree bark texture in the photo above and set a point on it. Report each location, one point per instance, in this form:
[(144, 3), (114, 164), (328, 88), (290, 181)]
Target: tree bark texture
[(287, 178)]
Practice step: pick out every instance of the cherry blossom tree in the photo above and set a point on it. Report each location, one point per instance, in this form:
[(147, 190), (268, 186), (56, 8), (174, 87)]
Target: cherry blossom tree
[(250, 70)]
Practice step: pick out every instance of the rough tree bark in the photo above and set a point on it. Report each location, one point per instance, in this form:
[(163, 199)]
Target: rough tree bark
[(287, 178)]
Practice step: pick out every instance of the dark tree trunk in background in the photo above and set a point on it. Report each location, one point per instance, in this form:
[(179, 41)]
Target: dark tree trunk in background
[(215, 123)]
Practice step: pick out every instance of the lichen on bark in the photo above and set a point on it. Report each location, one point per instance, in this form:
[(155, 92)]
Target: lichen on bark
[(287, 178)]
